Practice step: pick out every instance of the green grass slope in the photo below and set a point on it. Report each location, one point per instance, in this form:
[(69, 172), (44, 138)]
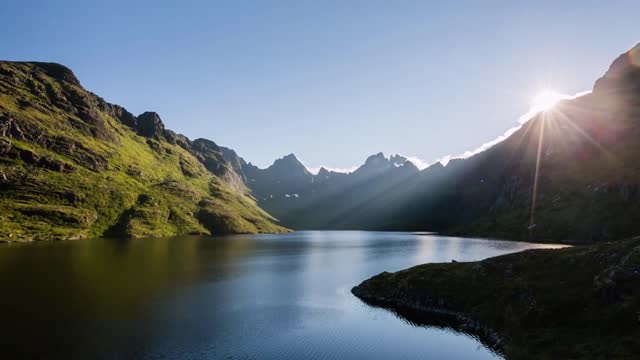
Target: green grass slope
[(74, 166)]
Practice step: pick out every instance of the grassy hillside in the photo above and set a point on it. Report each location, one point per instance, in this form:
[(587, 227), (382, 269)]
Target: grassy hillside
[(74, 166)]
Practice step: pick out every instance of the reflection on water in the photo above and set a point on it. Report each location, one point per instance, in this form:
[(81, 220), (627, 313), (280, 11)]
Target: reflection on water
[(246, 297)]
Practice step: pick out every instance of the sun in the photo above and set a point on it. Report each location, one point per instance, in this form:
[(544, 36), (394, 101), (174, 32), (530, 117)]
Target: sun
[(545, 100)]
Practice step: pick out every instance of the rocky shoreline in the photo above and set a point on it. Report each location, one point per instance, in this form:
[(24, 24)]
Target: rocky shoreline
[(418, 312), (579, 302)]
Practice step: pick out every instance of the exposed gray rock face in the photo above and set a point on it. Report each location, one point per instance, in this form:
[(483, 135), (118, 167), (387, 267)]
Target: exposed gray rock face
[(118, 112), (150, 125), (211, 156), (177, 139), (237, 163), (59, 71), (9, 128)]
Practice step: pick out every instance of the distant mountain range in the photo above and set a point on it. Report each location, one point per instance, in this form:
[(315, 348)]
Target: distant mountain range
[(327, 200), (73, 165)]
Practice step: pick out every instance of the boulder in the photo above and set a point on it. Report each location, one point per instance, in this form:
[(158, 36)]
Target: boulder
[(150, 125)]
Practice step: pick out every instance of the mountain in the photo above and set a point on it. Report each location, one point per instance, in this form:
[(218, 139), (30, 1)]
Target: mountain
[(73, 166), (580, 157), (301, 200), (569, 173)]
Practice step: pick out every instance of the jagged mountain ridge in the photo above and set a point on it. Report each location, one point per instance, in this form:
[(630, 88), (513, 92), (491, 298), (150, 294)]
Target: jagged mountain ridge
[(73, 165), (303, 200)]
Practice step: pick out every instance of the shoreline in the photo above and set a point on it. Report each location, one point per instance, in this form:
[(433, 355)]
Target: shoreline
[(574, 302), (439, 316)]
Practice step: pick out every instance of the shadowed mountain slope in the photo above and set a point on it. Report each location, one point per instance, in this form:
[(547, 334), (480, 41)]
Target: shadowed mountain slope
[(580, 157), (570, 173)]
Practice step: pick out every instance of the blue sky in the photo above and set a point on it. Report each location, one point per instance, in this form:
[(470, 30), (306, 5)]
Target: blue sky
[(331, 81)]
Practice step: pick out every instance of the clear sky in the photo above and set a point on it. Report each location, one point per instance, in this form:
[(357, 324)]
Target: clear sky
[(331, 81)]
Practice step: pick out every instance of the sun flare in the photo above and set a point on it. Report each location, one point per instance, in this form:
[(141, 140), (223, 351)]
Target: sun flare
[(546, 99)]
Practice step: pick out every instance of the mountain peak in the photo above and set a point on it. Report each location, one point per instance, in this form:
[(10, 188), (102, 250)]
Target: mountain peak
[(285, 174), (377, 158), (57, 71), (373, 165), (205, 144), (624, 71), (290, 157), (397, 160), (289, 163)]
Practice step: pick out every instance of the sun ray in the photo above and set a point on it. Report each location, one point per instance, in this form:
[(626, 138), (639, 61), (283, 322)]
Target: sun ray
[(588, 137), (551, 118), (537, 172)]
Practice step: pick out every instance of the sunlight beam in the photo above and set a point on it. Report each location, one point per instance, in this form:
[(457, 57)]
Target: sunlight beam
[(537, 173)]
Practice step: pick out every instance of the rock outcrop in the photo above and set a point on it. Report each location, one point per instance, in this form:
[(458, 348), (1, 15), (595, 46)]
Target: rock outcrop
[(150, 125)]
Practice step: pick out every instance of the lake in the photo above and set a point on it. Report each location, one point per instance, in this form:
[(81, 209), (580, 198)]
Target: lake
[(237, 297)]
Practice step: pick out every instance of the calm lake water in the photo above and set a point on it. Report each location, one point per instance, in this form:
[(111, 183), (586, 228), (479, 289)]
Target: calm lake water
[(237, 297)]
